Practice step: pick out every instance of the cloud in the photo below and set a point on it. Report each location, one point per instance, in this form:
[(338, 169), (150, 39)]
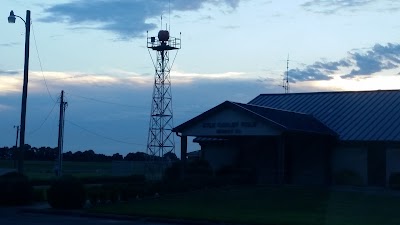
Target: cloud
[(180, 77), (360, 64), (127, 18), (320, 70), (333, 6), (119, 110), (377, 59), (307, 74), (4, 107), (10, 83), (8, 72), (331, 67), (56, 81), (230, 27), (11, 44)]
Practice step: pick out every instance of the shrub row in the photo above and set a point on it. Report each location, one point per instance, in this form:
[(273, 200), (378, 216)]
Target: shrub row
[(199, 175), (201, 172), (66, 192), (97, 180), (348, 177), (15, 189), (69, 192), (394, 181)]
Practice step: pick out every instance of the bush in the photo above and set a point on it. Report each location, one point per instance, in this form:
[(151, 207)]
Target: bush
[(198, 174), (104, 193), (40, 181), (231, 175), (15, 189), (348, 177), (39, 194), (173, 173), (198, 169), (394, 181), (113, 179), (97, 180), (66, 192), (121, 192)]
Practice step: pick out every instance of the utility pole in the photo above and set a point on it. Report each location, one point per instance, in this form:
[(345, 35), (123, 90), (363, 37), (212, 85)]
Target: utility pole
[(14, 154), (61, 134), (27, 21)]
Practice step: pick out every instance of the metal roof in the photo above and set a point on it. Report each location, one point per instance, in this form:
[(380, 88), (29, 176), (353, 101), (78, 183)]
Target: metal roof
[(354, 116), (292, 121), (281, 119)]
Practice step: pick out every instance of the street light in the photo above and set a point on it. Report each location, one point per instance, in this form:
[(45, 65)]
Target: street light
[(11, 19)]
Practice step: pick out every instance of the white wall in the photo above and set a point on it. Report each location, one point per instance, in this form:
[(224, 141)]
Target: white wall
[(219, 155), (392, 162), (351, 158), (309, 164), (230, 122)]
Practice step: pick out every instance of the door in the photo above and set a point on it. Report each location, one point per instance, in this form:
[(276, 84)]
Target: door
[(377, 166)]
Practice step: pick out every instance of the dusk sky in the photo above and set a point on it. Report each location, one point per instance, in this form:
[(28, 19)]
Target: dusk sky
[(95, 50)]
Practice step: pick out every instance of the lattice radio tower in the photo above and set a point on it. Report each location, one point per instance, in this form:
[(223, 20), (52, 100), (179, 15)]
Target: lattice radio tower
[(160, 138), (285, 84)]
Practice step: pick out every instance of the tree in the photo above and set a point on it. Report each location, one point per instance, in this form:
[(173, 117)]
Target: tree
[(170, 156), (117, 156), (137, 156)]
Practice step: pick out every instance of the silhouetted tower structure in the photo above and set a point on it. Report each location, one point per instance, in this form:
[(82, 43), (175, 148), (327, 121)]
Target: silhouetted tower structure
[(160, 138), (286, 77)]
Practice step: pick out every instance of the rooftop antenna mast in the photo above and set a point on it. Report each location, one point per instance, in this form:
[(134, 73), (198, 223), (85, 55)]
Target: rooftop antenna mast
[(286, 77), (160, 136)]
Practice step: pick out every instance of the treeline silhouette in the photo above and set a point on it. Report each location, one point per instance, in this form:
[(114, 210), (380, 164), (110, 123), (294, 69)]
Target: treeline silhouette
[(50, 154)]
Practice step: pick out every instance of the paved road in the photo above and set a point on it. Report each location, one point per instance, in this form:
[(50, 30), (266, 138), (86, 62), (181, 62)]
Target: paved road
[(15, 217)]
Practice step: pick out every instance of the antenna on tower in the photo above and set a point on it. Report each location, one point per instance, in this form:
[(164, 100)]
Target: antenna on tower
[(286, 77)]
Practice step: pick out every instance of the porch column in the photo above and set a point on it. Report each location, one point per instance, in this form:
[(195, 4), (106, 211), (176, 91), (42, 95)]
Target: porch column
[(183, 154), (281, 160)]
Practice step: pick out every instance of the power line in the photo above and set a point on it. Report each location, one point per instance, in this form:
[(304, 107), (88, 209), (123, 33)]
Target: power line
[(106, 102), (154, 64), (76, 76), (173, 61), (44, 121), (102, 136), (40, 63), (121, 104), (124, 105)]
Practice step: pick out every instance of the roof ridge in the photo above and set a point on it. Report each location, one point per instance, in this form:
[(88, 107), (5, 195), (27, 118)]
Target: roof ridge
[(272, 121), (310, 116), (331, 92), (277, 109)]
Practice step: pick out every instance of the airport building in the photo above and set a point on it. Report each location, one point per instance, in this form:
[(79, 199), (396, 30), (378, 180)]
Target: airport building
[(303, 138)]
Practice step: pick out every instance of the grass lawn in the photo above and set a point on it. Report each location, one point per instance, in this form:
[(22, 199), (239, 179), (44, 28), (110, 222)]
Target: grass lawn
[(265, 205)]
